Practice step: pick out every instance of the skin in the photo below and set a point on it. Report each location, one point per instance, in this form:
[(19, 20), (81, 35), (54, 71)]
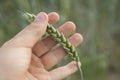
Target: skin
[(29, 57)]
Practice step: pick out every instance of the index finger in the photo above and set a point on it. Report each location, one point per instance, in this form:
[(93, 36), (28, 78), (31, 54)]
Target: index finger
[(53, 17)]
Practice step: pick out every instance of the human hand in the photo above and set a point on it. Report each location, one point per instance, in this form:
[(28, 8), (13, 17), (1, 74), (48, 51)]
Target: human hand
[(28, 57)]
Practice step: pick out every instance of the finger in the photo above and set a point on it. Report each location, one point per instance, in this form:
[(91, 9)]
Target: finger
[(37, 70), (53, 17), (46, 44), (39, 73), (53, 57), (63, 72), (36, 62), (32, 33)]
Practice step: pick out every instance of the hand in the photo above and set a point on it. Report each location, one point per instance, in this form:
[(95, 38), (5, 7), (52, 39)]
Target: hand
[(28, 57)]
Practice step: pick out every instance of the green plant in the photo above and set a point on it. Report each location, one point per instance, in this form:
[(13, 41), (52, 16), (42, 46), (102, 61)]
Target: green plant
[(59, 37)]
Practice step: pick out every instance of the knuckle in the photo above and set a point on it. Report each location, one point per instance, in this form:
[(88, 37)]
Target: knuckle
[(35, 27)]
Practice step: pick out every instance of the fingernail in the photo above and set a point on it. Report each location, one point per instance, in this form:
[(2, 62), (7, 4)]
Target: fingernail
[(41, 17)]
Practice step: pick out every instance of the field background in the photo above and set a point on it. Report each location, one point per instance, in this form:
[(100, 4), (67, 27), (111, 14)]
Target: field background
[(97, 20)]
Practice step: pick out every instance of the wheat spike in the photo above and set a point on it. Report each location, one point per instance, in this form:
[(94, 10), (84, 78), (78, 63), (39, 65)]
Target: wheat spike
[(59, 37)]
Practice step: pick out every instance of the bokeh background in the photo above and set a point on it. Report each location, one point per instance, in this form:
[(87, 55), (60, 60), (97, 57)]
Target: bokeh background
[(97, 20)]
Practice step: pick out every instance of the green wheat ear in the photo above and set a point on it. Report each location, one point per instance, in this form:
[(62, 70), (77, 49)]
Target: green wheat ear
[(59, 37)]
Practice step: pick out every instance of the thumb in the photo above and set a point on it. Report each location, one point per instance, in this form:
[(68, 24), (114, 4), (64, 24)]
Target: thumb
[(33, 32)]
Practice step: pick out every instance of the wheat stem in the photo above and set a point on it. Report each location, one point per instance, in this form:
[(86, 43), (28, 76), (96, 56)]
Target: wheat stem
[(60, 39)]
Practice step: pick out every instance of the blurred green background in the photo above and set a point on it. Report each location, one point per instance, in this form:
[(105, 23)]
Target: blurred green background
[(97, 20)]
